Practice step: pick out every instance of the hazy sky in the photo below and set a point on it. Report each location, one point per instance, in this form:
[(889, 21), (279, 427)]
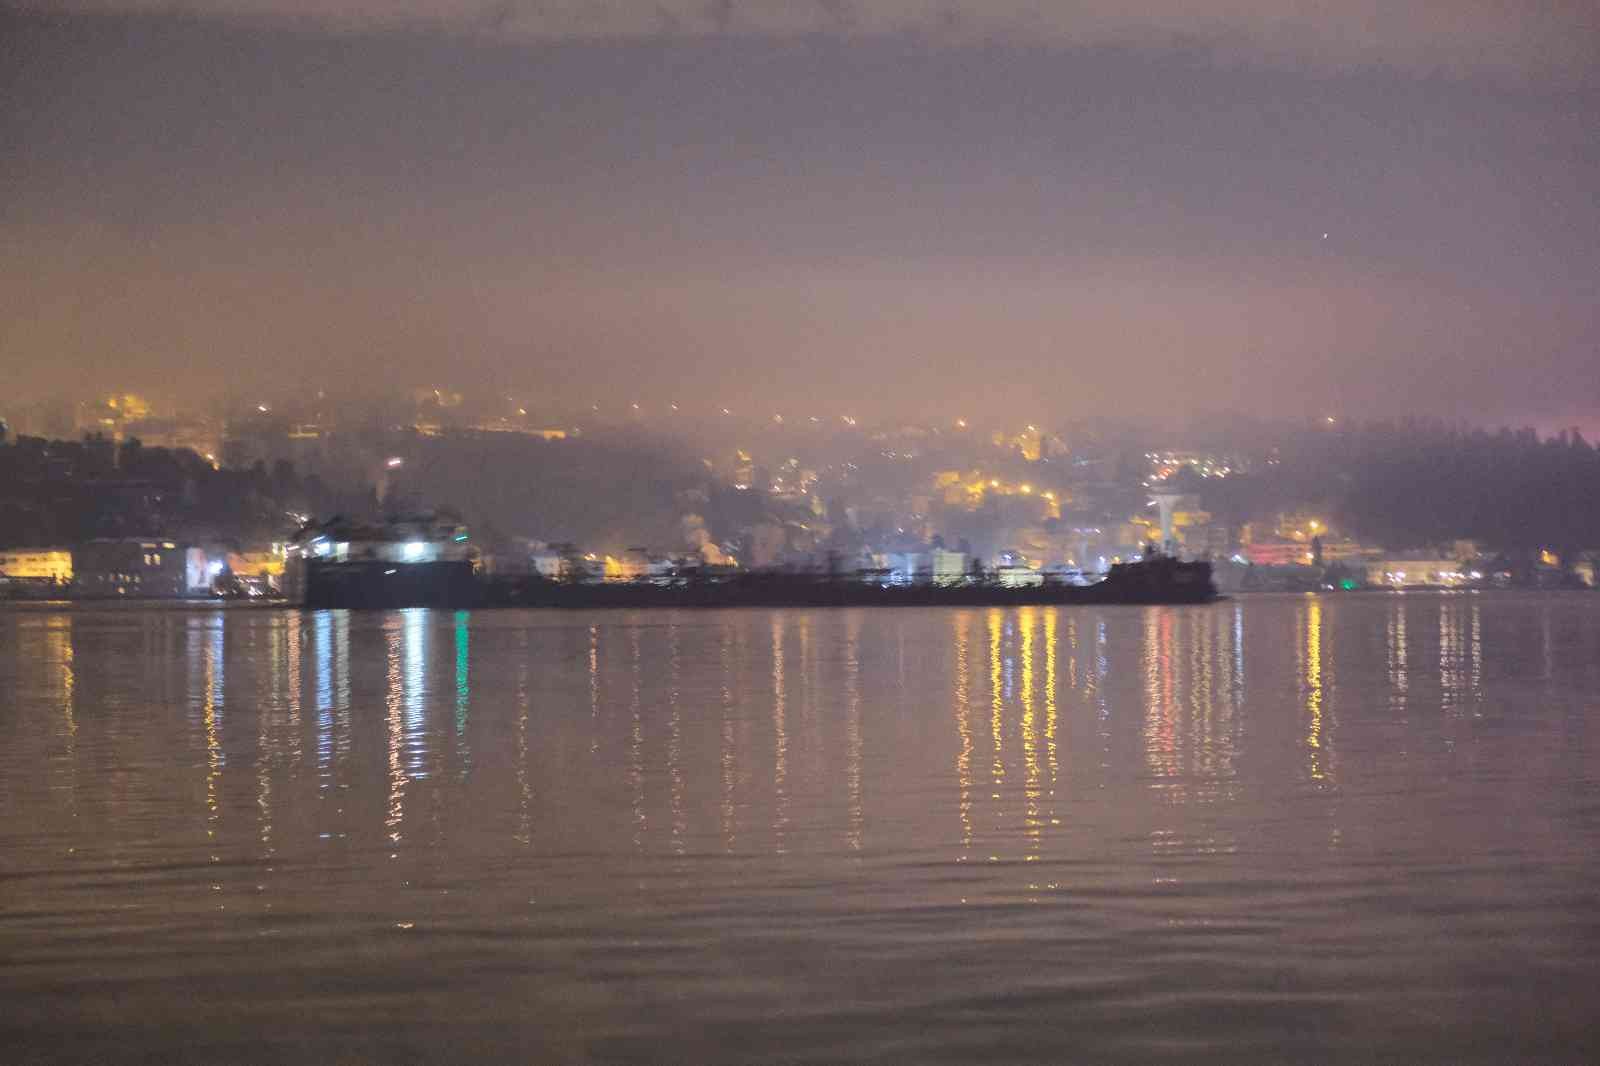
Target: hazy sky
[(906, 206)]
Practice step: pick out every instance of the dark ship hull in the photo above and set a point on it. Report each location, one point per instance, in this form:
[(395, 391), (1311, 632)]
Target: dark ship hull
[(1157, 581), (386, 586), (383, 585)]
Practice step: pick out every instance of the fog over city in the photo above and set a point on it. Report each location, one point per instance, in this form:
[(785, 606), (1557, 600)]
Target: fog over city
[(896, 210)]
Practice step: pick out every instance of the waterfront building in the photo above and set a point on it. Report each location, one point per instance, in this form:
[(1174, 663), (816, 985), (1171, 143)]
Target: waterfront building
[(896, 567), (1012, 571), (1017, 577), (1400, 572), (905, 568), (133, 567), (949, 568), (42, 564), (1347, 552), (256, 573), (1276, 551), (638, 565)]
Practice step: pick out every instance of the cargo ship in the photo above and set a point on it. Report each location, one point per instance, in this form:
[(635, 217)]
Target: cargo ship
[(429, 561)]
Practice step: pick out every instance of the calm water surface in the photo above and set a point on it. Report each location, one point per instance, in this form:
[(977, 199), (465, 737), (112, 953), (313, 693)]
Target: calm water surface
[(1316, 829)]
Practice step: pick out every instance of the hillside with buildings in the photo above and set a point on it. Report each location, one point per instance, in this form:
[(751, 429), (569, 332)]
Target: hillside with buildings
[(627, 493)]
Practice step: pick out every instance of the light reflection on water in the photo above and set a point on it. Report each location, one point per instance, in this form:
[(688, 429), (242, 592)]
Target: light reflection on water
[(1276, 827)]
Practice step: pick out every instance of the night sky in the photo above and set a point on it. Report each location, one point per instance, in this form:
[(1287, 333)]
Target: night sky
[(898, 208)]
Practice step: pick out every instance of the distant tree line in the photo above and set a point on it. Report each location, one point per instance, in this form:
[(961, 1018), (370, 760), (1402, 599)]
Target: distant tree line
[(55, 492), (1421, 482)]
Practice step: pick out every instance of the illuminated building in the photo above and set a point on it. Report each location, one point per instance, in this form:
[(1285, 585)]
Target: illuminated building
[(1404, 572), (1025, 501), (901, 568), (111, 415), (631, 567), (1277, 552), (513, 425), (42, 564), (1169, 502), (198, 435), (1348, 552), (430, 407), (1302, 526), (260, 573), (949, 568), (1167, 464), (136, 568), (638, 565), (744, 470), (1013, 571), (1029, 444)]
